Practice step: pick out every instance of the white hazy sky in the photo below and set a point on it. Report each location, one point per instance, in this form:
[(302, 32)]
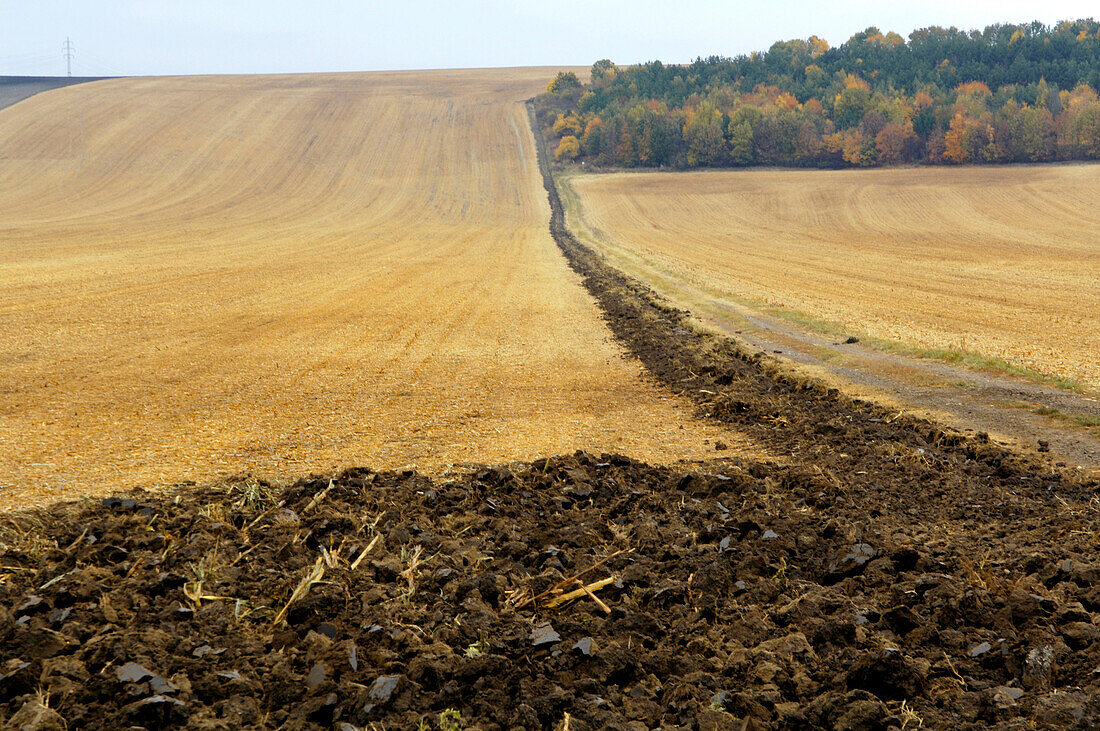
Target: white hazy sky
[(267, 36)]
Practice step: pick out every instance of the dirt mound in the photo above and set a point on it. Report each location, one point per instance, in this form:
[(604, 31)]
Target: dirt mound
[(738, 591)]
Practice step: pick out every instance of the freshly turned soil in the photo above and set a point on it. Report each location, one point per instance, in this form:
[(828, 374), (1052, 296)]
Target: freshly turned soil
[(784, 594)]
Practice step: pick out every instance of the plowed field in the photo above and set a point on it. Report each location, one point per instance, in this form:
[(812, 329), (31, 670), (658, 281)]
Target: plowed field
[(1000, 261), (202, 276)]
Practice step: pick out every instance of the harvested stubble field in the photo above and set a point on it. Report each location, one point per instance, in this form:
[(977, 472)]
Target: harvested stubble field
[(208, 276), (999, 261)]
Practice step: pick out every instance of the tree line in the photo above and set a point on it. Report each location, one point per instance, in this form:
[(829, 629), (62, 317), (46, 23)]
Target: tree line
[(1009, 93)]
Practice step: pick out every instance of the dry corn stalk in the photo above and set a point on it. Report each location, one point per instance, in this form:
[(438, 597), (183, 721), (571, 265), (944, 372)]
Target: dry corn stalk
[(362, 554), (314, 576), (599, 602), (520, 604), (319, 497), (409, 574), (193, 591), (589, 590)]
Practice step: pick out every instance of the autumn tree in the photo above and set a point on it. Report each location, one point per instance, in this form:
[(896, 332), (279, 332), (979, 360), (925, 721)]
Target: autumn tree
[(845, 147), (818, 46), (564, 82), (568, 125), (896, 143), (741, 134), (704, 136), (850, 105), (568, 148), (592, 141), (969, 139), (742, 150), (1079, 126), (1023, 133), (603, 72)]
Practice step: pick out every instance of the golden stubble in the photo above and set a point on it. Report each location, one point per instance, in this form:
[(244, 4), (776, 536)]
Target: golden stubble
[(276, 275), (1003, 261)]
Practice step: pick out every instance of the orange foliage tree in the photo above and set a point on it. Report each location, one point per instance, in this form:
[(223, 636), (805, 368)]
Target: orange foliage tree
[(895, 142), (568, 125), (969, 139), (568, 148)]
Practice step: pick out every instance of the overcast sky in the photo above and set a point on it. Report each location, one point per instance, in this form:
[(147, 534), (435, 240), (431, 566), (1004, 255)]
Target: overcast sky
[(116, 37)]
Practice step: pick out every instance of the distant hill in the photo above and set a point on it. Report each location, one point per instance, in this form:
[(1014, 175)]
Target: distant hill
[(17, 88)]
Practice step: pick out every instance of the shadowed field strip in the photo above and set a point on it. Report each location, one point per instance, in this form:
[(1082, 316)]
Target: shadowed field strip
[(204, 276), (1001, 261)]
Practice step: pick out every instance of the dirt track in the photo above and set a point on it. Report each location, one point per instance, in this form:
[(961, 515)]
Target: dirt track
[(210, 276)]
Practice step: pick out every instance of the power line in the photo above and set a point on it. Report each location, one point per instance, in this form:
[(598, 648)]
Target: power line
[(69, 51), (96, 65)]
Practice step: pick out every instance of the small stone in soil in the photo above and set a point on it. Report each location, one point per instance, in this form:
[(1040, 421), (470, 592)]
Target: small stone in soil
[(544, 635), (1006, 697), (980, 649), (131, 672), (721, 699), (1038, 666), (583, 646), (858, 555), (58, 616), (384, 687), (205, 650), (160, 686), (316, 676), (157, 711)]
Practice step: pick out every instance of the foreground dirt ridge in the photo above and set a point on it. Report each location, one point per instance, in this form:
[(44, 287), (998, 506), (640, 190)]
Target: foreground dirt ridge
[(738, 591)]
